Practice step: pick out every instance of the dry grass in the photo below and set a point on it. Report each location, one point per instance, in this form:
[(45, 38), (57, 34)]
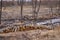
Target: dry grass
[(14, 12), (33, 35), (29, 33)]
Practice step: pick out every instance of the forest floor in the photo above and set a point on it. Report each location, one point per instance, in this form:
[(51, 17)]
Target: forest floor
[(14, 12), (33, 35), (45, 34)]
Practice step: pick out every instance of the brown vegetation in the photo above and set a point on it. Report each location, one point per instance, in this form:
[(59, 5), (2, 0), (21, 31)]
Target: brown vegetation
[(33, 35), (25, 28)]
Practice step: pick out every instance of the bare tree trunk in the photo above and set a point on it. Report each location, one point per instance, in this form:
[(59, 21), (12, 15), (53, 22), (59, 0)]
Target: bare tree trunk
[(36, 8), (21, 9), (14, 2), (50, 10), (59, 7), (5, 4), (0, 10)]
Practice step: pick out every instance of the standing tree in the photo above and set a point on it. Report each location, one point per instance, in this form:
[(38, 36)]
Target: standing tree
[(14, 2), (36, 7), (59, 6), (5, 4), (21, 3), (50, 5), (0, 10)]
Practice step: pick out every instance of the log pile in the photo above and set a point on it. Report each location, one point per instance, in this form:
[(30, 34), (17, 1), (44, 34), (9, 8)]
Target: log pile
[(23, 28)]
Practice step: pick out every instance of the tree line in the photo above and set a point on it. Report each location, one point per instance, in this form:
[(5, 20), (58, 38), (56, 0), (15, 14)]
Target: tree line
[(13, 2)]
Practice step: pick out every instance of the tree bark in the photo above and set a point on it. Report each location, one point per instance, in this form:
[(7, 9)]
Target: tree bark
[(21, 9), (0, 10), (14, 2)]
